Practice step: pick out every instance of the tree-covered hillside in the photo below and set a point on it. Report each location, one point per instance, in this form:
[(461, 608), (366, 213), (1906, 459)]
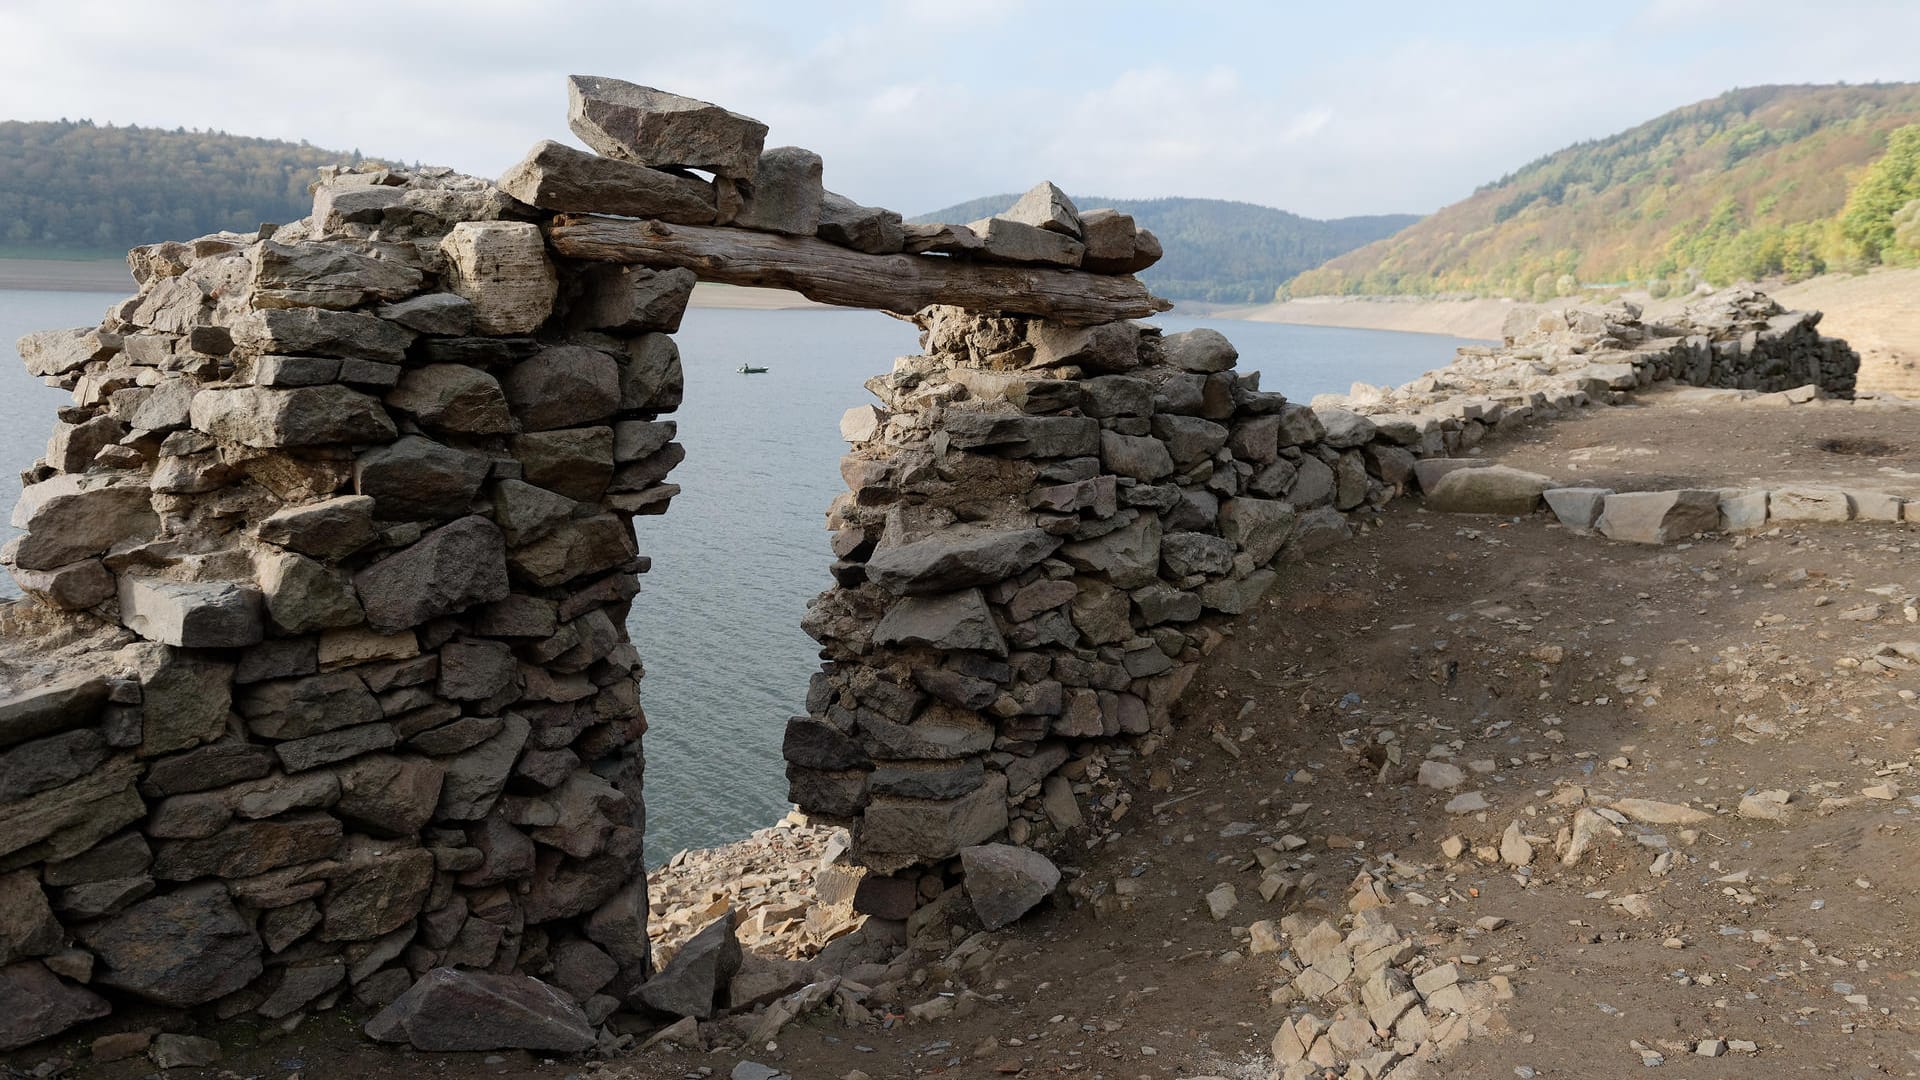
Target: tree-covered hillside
[(1224, 252), (1755, 183), (76, 187)]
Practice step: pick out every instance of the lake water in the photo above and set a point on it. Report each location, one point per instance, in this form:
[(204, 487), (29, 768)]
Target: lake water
[(744, 546)]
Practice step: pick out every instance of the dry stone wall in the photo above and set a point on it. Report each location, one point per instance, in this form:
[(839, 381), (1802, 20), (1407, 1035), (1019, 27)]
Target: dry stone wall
[(1043, 523), (323, 690), (349, 501)]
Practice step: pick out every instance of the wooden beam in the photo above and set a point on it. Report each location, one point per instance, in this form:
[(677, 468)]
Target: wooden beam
[(830, 274)]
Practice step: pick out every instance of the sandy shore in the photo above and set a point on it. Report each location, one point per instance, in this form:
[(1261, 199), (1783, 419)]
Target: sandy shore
[(1459, 318), (1879, 313)]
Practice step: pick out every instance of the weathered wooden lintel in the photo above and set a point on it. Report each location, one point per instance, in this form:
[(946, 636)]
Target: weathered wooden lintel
[(830, 274)]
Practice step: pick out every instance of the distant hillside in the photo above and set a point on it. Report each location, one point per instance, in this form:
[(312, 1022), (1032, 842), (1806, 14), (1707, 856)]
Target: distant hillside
[(1224, 252), (1754, 183), (81, 188)]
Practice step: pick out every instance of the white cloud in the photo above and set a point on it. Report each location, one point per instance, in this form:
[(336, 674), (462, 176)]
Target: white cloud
[(921, 103)]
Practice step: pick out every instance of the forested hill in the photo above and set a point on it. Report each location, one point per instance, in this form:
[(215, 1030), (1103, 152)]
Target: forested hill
[(1225, 252), (1783, 181), (76, 187)]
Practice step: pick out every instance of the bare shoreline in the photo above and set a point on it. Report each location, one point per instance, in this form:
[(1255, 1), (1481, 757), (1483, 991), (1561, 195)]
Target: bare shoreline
[(1875, 311)]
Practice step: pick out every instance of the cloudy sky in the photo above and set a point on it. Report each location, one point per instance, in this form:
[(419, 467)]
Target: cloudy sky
[(1366, 106)]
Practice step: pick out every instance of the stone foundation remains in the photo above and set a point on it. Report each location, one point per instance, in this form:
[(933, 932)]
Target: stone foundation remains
[(323, 691), (1044, 523)]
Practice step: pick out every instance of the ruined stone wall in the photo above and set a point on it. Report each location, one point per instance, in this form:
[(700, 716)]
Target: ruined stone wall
[(1043, 524), (348, 504), (324, 682)]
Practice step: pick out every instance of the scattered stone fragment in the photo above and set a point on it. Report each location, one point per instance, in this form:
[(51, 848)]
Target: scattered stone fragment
[(1005, 882), (456, 1011)]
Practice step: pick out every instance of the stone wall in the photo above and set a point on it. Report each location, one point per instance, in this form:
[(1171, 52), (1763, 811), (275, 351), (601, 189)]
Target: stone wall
[(324, 684), (323, 680), (1044, 523), (348, 502)]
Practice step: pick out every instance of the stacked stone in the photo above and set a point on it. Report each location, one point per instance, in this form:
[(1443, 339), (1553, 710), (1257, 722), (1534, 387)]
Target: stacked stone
[(646, 139), (1039, 520), (359, 492), (1555, 361), (344, 509)]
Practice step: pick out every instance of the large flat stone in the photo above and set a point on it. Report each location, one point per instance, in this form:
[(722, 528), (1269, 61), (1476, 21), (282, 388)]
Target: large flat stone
[(1810, 504), (562, 387), (1016, 242), (270, 418), (183, 948), (576, 462), (474, 780), (958, 620), (58, 704), (929, 830), (298, 708), (574, 550), (193, 615), (61, 823), (315, 332), (47, 763), (630, 299), (554, 176), (58, 352), (247, 848), (70, 517), (1258, 527), (378, 889), (958, 557), (419, 478), (312, 274), (652, 127), (390, 795), (872, 229), (1578, 508), (455, 1011), (184, 697), (448, 571), (1495, 489), (1658, 517), (329, 529)]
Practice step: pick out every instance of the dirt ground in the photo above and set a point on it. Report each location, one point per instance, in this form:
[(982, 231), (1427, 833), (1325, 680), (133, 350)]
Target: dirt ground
[(1670, 439), (1551, 668)]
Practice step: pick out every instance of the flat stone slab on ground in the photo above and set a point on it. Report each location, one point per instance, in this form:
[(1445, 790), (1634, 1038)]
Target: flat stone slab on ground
[(452, 1011)]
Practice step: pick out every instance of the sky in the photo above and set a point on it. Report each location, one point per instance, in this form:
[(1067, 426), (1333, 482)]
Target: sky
[(1324, 109)]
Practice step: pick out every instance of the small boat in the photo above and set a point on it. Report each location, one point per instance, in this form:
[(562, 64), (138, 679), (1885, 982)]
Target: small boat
[(745, 370)]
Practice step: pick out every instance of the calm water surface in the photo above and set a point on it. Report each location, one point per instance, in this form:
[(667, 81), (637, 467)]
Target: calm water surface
[(744, 547)]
